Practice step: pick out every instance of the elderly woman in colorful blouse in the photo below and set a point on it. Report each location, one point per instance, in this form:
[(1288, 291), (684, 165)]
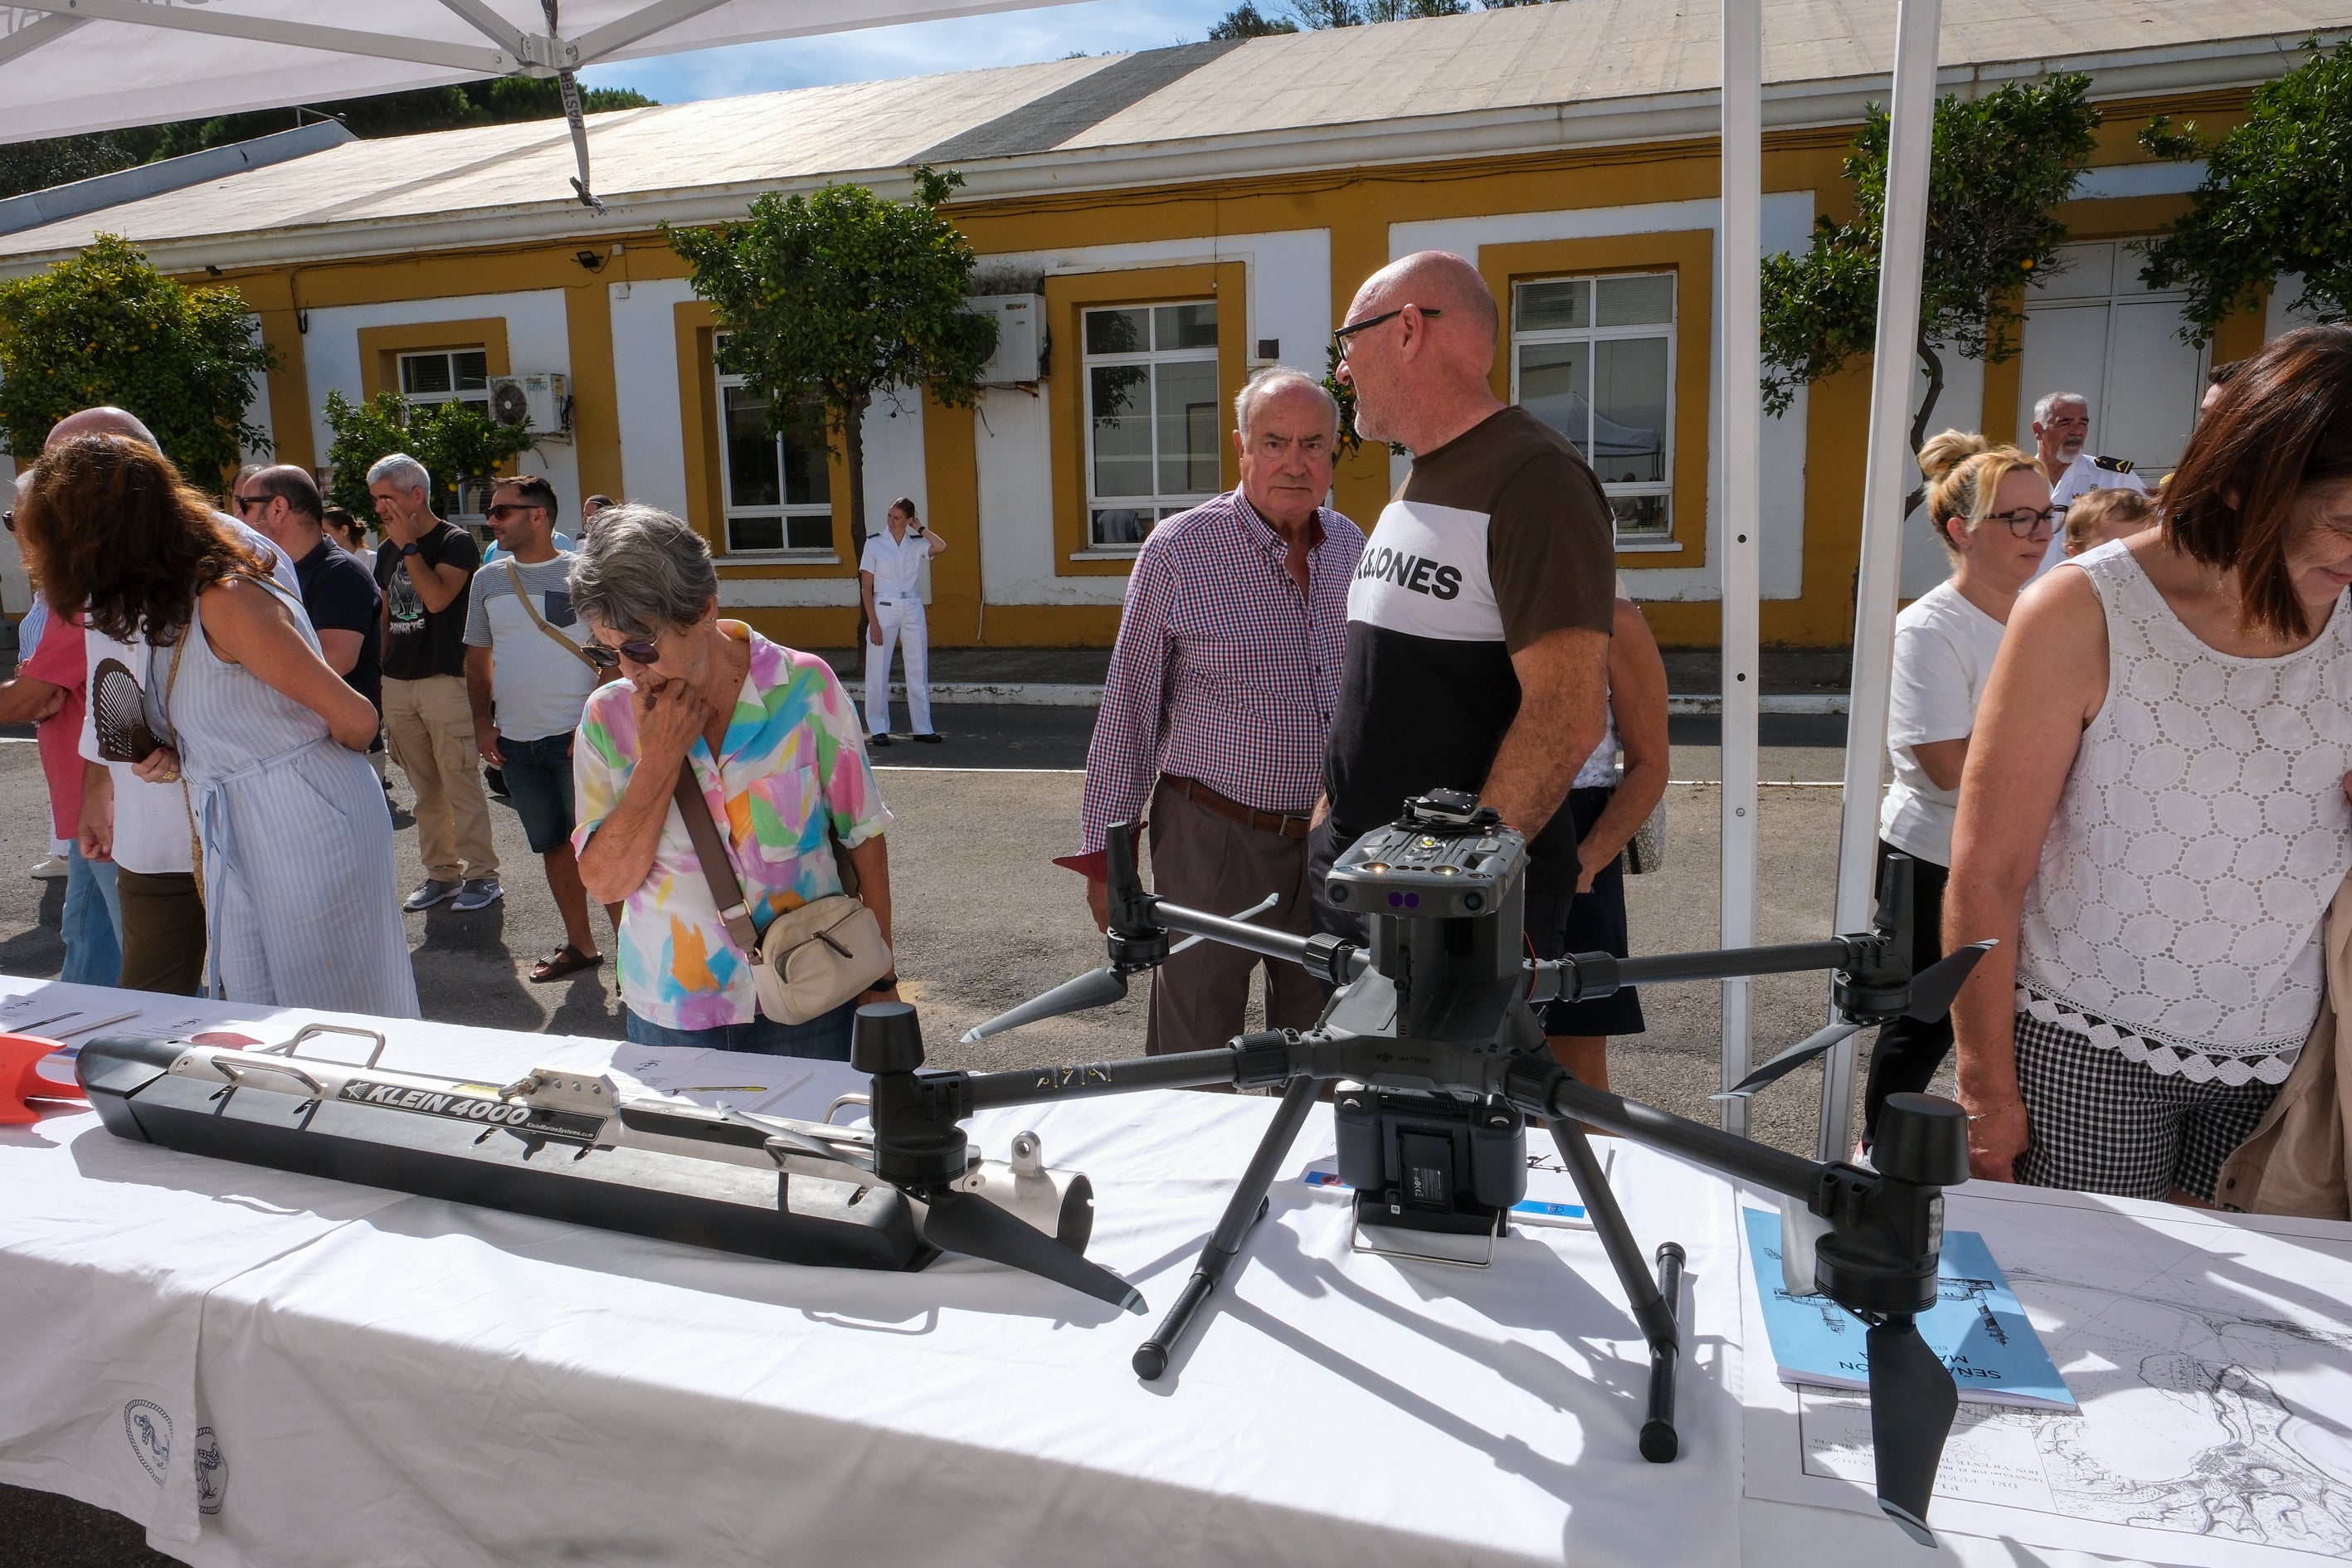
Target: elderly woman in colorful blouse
[(772, 742)]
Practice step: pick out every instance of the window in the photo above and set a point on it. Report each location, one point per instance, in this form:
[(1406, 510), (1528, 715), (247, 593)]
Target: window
[(1593, 358), (1152, 417), (450, 375), (778, 488)]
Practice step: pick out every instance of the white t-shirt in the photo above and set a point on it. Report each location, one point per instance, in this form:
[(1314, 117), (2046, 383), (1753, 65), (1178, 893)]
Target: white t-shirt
[(150, 820), (1944, 649), (2082, 476), (897, 564), (539, 689)]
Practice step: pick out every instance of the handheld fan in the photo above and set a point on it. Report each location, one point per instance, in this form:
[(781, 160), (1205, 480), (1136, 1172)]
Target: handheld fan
[(118, 711)]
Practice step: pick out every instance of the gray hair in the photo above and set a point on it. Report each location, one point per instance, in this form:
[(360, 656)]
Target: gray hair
[(641, 572), (2052, 400), (402, 470), (1274, 379)]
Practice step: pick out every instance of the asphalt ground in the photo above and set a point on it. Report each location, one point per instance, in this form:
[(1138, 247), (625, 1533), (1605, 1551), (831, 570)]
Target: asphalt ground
[(983, 920)]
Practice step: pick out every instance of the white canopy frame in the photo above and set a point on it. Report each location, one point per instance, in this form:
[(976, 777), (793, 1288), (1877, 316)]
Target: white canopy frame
[(73, 67), (1901, 260), (1887, 477)]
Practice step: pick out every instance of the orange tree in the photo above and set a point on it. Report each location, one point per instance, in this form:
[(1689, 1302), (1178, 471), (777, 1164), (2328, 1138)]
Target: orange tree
[(105, 326)]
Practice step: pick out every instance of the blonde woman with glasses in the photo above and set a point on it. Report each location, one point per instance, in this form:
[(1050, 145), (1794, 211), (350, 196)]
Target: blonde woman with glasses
[(1991, 509)]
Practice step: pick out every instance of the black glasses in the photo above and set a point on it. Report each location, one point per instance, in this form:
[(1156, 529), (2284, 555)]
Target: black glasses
[(2025, 522), (246, 503), (1339, 338), (9, 519), (498, 513), (606, 657)]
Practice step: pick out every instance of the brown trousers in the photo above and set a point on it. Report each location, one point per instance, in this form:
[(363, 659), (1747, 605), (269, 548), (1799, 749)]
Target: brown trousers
[(1205, 861), (163, 933)]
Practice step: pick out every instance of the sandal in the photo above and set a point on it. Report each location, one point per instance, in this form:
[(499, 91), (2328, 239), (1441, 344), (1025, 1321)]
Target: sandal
[(565, 960)]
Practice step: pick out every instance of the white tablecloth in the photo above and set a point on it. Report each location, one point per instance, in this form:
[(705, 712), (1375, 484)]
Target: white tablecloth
[(389, 1380), (375, 1378)]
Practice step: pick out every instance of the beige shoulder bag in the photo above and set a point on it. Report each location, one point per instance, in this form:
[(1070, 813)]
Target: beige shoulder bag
[(810, 960)]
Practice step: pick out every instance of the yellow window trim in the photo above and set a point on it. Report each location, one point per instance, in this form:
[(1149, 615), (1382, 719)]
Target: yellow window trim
[(380, 347), (1066, 299), (1690, 255), (696, 329)]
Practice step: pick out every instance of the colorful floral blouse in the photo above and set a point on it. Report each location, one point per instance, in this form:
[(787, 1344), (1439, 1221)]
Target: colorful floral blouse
[(793, 760)]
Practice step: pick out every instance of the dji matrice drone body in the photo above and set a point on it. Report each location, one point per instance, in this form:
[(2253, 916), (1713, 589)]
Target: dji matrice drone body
[(1432, 1026)]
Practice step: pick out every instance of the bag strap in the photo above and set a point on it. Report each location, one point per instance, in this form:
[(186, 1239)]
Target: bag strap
[(710, 851), (514, 575)]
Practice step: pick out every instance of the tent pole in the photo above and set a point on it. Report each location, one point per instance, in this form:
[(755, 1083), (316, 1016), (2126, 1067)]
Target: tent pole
[(1888, 474), (1742, 424)]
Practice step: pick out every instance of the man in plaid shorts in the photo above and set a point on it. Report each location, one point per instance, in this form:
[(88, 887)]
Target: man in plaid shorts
[(1218, 703)]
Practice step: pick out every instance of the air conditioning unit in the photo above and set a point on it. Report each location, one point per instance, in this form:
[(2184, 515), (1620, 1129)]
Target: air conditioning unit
[(1021, 338), (540, 400)]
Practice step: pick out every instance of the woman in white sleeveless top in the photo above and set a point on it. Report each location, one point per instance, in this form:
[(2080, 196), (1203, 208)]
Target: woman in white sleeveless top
[(294, 841), (2153, 818)]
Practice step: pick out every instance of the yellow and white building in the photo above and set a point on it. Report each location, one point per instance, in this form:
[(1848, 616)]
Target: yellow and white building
[(1183, 216)]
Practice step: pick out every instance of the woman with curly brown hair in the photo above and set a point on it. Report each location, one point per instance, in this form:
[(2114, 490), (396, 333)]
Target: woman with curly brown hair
[(293, 841)]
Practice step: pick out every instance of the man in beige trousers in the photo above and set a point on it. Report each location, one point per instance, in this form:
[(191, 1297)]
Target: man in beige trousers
[(426, 569)]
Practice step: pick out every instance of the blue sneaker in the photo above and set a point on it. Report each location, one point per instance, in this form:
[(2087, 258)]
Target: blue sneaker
[(478, 893), (429, 893)]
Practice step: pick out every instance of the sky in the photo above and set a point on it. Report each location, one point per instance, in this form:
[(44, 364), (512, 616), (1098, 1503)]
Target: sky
[(918, 48)]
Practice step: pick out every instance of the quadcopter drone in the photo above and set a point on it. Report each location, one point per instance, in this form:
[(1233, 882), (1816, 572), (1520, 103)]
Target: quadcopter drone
[(1430, 1041)]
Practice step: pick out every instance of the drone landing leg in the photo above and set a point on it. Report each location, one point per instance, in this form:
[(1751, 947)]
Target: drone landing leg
[(1653, 1303), (1242, 1211)]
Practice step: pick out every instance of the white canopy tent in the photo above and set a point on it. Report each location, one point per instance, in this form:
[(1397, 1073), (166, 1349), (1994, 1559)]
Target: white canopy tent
[(71, 67)]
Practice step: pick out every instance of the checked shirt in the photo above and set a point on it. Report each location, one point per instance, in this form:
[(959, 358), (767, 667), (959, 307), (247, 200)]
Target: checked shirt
[(1223, 672)]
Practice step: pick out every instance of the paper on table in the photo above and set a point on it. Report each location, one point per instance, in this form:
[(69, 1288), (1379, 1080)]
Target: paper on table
[(1551, 1199), (2208, 1353), (1975, 1327)]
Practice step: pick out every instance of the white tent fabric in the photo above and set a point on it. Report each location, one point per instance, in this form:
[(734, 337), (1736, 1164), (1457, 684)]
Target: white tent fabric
[(69, 67)]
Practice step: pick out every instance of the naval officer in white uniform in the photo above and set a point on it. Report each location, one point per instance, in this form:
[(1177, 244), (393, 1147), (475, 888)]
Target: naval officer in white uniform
[(2062, 428), (889, 575)]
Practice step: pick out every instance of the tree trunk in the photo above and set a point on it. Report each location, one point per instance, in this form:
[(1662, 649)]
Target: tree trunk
[(1935, 364), (852, 448)]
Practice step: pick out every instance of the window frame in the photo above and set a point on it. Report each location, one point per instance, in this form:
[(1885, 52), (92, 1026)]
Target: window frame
[(786, 512), (1668, 333), (1158, 503), (467, 504)]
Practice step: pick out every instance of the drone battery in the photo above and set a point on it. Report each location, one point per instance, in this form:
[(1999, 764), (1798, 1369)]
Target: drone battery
[(1429, 1162)]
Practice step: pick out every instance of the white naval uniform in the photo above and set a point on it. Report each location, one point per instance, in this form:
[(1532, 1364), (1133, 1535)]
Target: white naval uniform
[(897, 566), (2081, 477)]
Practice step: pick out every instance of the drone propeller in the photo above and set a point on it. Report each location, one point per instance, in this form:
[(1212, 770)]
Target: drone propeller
[(960, 1222), (1788, 1061), (1095, 988), (1912, 1403), (1934, 988), (1931, 998)]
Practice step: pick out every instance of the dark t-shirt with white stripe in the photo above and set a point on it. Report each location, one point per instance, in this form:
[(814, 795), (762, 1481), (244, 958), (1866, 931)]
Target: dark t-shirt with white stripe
[(1495, 538)]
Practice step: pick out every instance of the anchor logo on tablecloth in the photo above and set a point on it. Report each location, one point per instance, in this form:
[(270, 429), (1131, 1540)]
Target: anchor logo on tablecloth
[(211, 1472), (150, 1432)]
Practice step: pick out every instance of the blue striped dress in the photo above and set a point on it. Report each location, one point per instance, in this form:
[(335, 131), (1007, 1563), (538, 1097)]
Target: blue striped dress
[(302, 895)]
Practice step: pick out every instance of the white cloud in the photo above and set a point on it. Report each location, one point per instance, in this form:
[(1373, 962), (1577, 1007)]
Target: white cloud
[(917, 49)]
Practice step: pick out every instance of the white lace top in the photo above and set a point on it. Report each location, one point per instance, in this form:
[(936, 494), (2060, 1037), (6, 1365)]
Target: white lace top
[(2176, 913)]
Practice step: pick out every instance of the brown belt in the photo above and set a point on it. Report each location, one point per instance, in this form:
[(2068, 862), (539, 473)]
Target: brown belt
[(1248, 817)]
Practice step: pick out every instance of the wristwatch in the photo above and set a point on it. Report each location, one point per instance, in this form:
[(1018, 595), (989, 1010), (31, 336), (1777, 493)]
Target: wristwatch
[(411, 548)]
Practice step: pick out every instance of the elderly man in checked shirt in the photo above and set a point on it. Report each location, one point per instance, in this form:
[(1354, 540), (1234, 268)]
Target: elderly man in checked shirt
[(1218, 703)]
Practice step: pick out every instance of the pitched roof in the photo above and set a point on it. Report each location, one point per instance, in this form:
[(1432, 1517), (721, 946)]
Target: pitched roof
[(1577, 72)]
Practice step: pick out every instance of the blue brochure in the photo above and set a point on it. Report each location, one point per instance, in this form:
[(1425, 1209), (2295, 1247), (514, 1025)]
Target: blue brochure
[(1975, 1327)]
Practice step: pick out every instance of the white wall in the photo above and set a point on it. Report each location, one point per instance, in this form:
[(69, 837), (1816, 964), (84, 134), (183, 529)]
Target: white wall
[(645, 383), (1787, 220), (1288, 296), (538, 338)]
